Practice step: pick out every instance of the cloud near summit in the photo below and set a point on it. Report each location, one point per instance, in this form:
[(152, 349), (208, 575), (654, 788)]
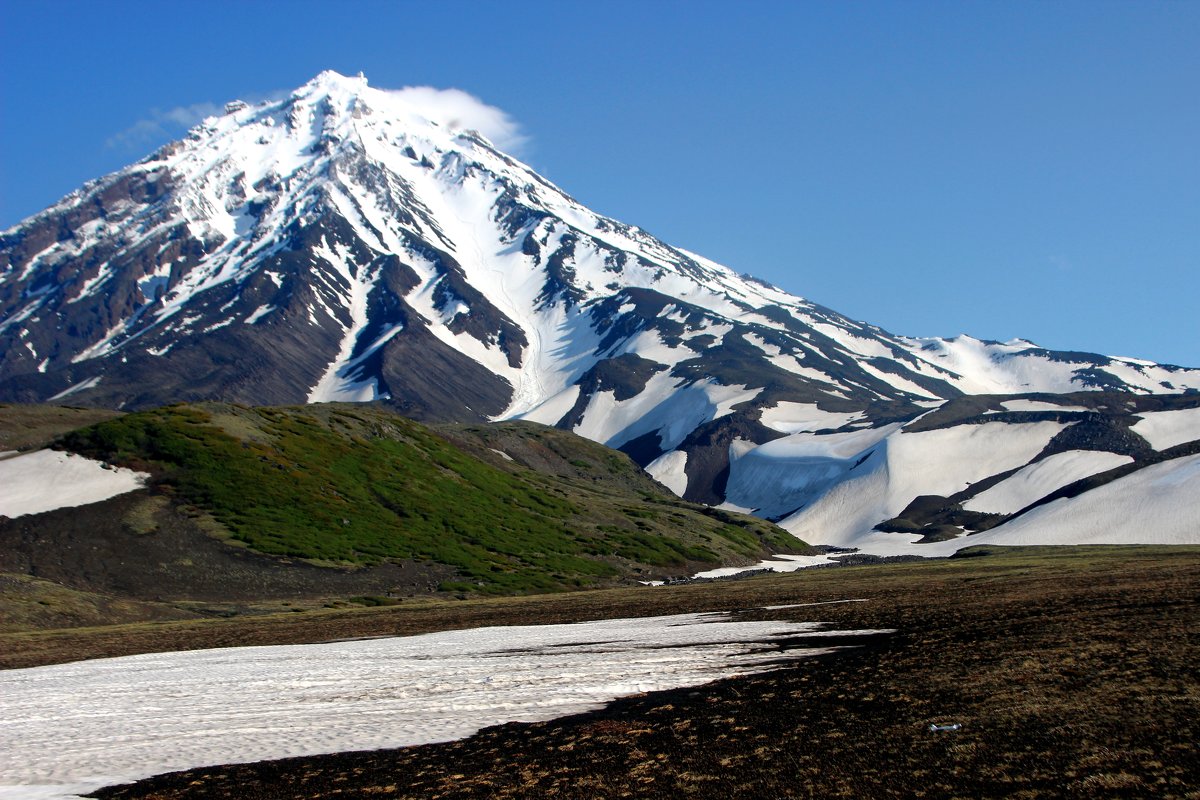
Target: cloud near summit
[(160, 124), (452, 108), (455, 108)]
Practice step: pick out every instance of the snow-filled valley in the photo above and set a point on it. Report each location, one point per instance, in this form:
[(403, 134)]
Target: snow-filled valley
[(72, 728)]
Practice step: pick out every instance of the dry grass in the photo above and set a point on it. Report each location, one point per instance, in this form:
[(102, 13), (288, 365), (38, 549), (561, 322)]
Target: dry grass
[(27, 427)]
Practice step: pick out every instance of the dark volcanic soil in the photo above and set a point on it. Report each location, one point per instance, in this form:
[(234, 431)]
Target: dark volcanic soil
[(1071, 675), (168, 556)]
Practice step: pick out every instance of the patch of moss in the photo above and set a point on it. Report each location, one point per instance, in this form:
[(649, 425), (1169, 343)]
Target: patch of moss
[(359, 487)]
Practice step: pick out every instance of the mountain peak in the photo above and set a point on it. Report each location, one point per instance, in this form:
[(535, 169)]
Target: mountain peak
[(355, 243), (330, 77), (349, 243)]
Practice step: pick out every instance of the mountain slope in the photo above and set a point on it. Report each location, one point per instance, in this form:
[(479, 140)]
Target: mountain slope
[(325, 493), (1037, 469), (345, 244)]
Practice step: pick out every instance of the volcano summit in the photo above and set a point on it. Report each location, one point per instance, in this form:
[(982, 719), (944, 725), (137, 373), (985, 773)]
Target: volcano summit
[(346, 244)]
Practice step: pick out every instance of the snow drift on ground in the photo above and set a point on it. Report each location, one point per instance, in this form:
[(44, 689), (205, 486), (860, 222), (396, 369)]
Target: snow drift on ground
[(72, 728), (1032, 483), (847, 483), (48, 479), (1165, 429), (780, 563), (1156, 505)]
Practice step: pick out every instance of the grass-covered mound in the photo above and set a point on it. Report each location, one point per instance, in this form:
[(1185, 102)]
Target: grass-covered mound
[(359, 485)]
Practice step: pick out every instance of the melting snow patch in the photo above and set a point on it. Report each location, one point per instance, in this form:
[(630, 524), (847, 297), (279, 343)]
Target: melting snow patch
[(555, 408), (666, 406), (1164, 429), (72, 728), (669, 470), (781, 563), (217, 326), (1039, 479), (1156, 505), (48, 479), (1037, 405), (788, 417), (849, 484)]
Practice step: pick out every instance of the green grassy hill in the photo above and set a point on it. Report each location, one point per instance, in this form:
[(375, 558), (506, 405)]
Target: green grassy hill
[(512, 508)]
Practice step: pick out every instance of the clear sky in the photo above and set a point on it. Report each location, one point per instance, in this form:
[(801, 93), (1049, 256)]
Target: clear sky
[(1004, 169)]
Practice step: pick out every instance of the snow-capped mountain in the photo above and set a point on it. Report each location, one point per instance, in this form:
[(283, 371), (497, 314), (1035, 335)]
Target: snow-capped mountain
[(345, 244)]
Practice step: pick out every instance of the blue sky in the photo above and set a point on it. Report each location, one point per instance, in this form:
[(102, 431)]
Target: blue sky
[(999, 169)]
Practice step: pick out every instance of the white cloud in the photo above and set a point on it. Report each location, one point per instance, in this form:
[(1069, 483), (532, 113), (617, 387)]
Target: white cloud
[(456, 109), (450, 108), (160, 124)]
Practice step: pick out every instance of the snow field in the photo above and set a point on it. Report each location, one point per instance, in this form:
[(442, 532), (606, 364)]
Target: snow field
[(981, 367), (1156, 505), (780, 476), (73, 728), (667, 405), (1037, 480), (48, 479), (1017, 366), (1165, 429), (877, 485), (787, 417)]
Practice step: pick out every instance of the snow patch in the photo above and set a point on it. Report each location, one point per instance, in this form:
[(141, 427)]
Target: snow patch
[(1039, 479), (550, 411), (1156, 505), (1165, 429), (72, 728), (1038, 405), (780, 563), (856, 493), (784, 475), (48, 479), (669, 470), (668, 405), (339, 384), (787, 417)]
